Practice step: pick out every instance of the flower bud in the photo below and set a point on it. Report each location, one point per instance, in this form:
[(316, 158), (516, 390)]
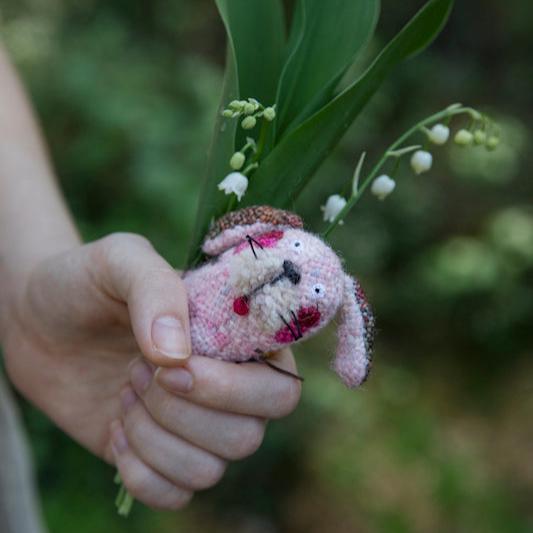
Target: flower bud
[(248, 108), (421, 161), (269, 113), (255, 103), (236, 105), (480, 137), (492, 142), (228, 113), (382, 186), (463, 138), (237, 160), (439, 134), (334, 205), (248, 122)]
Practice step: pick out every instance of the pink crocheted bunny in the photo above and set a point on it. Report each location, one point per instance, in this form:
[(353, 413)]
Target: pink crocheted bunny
[(269, 284)]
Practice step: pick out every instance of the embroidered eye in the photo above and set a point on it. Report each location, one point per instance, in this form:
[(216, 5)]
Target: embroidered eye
[(297, 245), (318, 290)]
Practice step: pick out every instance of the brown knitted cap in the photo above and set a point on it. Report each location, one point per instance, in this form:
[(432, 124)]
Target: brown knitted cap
[(255, 213)]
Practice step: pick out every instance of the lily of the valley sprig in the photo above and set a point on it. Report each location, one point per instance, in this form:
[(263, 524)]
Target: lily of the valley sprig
[(252, 110), (435, 128)]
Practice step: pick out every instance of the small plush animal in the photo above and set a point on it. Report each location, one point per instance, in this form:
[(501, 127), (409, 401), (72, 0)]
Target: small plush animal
[(269, 284)]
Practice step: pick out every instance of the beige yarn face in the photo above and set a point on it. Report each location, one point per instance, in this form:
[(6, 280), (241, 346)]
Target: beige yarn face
[(253, 274)]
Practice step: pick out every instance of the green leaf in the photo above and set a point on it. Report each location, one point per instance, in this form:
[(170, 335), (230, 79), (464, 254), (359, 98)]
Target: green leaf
[(325, 39), (212, 201), (288, 168), (256, 41), (256, 31)]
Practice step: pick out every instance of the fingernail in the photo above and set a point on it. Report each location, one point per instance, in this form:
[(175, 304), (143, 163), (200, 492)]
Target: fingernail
[(127, 398), (119, 443), (176, 379), (140, 377), (169, 337)]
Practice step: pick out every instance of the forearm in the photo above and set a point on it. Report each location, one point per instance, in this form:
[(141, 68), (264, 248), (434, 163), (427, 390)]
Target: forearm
[(34, 221)]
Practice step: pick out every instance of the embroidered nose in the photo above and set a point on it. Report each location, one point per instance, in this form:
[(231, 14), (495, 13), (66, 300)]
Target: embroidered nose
[(290, 271)]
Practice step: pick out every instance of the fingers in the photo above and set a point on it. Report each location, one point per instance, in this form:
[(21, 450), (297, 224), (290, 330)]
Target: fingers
[(248, 389), (180, 462), (227, 435), (142, 481), (133, 272), (215, 413)]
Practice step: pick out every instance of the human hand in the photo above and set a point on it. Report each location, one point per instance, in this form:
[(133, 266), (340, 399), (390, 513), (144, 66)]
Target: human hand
[(83, 336)]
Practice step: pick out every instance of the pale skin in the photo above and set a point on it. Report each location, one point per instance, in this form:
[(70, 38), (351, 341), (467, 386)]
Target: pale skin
[(96, 336)]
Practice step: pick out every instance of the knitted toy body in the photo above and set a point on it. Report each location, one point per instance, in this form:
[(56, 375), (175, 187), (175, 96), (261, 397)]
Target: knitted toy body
[(270, 284)]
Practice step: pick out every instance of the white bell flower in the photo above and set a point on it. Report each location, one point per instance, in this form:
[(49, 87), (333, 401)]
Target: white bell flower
[(382, 186), (334, 205), (439, 134), (235, 183), (421, 161)]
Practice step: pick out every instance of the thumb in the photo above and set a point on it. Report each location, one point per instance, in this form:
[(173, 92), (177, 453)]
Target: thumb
[(154, 293)]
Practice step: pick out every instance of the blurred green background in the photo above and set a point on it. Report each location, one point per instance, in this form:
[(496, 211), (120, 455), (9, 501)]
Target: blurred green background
[(441, 437)]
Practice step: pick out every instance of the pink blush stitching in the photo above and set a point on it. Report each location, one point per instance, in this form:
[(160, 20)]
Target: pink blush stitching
[(270, 239), (266, 240)]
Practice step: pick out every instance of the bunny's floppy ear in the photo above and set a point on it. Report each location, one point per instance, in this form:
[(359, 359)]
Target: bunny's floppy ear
[(356, 336)]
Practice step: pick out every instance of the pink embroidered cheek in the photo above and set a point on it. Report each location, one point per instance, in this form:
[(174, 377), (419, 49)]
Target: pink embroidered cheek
[(308, 318), (284, 336), (241, 305), (267, 240)]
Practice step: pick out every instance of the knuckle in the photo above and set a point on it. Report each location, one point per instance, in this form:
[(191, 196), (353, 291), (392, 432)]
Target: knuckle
[(113, 243), (110, 251), (214, 381), (166, 409), (134, 429), (289, 397), (141, 377), (159, 277), (209, 473), (120, 238), (248, 439)]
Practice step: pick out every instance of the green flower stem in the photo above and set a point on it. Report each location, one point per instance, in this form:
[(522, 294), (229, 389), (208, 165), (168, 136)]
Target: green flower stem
[(263, 134), (232, 203), (125, 503), (446, 113), (254, 161), (249, 144), (124, 500), (396, 167)]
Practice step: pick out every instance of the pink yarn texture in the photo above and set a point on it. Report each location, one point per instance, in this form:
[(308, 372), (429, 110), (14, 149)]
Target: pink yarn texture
[(269, 284)]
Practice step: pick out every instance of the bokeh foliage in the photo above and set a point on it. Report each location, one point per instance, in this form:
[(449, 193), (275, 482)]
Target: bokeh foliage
[(440, 438)]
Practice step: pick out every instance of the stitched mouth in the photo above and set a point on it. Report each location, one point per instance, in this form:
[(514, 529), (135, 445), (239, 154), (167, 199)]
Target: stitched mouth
[(306, 319)]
